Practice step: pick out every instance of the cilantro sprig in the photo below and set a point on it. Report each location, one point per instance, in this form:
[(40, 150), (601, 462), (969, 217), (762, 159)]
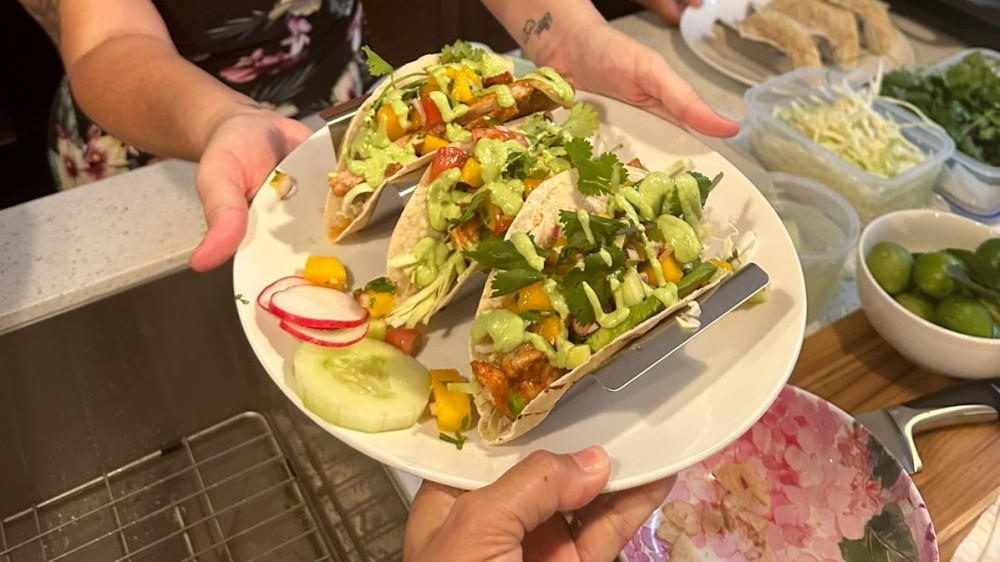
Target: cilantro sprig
[(582, 121), (603, 229), (461, 50), (377, 66), (515, 272), (380, 285), (597, 175), (458, 440)]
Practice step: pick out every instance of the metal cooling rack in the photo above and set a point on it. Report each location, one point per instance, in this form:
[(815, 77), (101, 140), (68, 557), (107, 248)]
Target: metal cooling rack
[(226, 493)]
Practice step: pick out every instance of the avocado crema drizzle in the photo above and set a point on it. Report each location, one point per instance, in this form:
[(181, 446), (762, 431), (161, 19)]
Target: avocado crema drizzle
[(437, 260), (372, 152), (602, 277)]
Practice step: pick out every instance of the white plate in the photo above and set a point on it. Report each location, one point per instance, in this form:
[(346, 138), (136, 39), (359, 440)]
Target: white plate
[(703, 398), (697, 30)]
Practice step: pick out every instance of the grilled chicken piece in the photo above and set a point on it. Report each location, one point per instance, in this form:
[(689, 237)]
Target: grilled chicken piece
[(343, 182), (524, 370), (465, 235), (485, 111)]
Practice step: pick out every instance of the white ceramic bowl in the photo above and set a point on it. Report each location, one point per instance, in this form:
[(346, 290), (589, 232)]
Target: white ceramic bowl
[(924, 343)]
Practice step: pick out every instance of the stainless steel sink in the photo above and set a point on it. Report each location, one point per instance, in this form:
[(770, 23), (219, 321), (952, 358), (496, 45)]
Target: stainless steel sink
[(141, 427)]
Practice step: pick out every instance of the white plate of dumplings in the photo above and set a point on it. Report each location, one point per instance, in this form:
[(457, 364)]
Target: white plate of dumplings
[(753, 41)]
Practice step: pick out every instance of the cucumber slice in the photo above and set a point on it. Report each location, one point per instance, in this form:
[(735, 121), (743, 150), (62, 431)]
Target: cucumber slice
[(370, 386)]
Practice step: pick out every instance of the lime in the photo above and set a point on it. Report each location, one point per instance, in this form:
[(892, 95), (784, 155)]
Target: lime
[(930, 273), (990, 250), (891, 265), (965, 316), (917, 303)]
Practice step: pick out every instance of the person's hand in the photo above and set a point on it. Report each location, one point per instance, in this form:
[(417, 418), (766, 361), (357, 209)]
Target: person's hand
[(241, 151), (669, 10), (519, 517), (604, 60)]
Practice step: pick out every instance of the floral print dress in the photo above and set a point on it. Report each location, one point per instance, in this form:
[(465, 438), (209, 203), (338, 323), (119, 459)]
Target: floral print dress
[(293, 56)]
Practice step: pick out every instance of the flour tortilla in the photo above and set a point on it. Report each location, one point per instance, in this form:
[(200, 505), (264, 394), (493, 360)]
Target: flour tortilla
[(877, 29), (784, 34), (533, 96), (538, 218), (835, 25)]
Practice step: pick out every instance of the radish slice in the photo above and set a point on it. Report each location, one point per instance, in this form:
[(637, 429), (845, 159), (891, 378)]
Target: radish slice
[(313, 306), (326, 338), (264, 298)]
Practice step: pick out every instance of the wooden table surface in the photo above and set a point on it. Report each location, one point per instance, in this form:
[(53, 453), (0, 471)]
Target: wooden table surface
[(851, 366)]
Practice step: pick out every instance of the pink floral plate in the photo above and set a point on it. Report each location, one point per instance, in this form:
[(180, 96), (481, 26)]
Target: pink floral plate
[(805, 484)]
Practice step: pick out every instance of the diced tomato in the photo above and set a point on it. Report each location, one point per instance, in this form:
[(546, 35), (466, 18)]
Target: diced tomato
[(501, 224), (504, 78), (447, 158), (406, 340), (499, 134), (431, 112)]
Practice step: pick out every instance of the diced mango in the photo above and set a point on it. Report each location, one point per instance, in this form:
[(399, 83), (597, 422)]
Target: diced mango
[(530, 184), (388, 121), (510, 302), (723, 264), (380, 304), (339, 225), (327, 271), (471, 75), (671, 269), (428, 87), (472, 172), (453, 409), (432, 143), (461, 89), (549, 328), (533, 297)]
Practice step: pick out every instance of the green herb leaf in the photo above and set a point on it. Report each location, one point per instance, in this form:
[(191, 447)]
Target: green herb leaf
[(377, 66), (459, 51), (508, 282), (497, 253), (576, 298), (602, 228), (240, 299), (472, 207), (516, 403), (465, 422), (887, 538), (531, 316), (582, 121), (380, 285), (596, 175), (458, 440)]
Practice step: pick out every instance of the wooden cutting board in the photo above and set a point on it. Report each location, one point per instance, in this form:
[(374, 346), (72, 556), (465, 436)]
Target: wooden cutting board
[(850, 365)]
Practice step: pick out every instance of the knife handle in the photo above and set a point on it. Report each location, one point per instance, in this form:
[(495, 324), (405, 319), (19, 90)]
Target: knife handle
[(984, 393)]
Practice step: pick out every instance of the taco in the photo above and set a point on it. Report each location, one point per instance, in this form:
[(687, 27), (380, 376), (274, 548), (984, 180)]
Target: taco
[(877, 30), (470, 194), (420, 108), (578, 277)]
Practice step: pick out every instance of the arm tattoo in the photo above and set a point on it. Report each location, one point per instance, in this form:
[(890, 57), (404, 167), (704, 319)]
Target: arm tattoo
[(46, 13), (532, 27)]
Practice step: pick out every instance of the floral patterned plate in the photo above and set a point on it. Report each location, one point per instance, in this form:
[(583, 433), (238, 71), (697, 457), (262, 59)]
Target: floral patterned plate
[(805, 483)]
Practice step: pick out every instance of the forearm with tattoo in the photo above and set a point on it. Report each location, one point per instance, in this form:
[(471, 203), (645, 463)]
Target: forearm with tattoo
[(46, 13), (536, 28)]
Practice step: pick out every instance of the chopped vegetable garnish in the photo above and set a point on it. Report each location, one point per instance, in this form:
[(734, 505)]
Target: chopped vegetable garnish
[(458, 440), (377, 66)]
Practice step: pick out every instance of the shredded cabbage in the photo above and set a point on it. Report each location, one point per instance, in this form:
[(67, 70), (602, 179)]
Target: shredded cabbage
[(852, 129)]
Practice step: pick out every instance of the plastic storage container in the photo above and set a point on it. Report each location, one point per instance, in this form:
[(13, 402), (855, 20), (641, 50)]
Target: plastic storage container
[(781, 148), (823, 227), (968, 184)]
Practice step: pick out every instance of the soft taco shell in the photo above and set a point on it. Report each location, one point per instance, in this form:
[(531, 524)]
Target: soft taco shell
[(836, 25), (877, 29), (533, 96), (538, 218), (782, 33), (413, 225)]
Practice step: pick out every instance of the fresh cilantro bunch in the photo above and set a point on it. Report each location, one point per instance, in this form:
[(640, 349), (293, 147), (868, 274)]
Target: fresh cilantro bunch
[(964, 99), (459, 51)]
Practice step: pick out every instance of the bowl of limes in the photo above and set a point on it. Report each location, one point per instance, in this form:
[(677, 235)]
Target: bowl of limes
[(929, 283)]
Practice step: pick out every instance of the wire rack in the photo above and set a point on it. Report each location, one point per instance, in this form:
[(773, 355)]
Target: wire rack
[(227, 493)]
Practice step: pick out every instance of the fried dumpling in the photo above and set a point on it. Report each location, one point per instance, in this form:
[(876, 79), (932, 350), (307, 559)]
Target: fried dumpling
[(877, 30), (835, 25), (784, 34)]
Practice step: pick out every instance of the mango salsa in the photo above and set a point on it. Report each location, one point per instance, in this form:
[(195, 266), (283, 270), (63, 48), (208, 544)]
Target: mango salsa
[(533, 297), (453, 409), (326, 271)]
